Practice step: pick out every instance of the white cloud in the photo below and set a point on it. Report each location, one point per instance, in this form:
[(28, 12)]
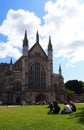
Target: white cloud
[(14, 26), (19, 20), (7, 50), (63, 20)]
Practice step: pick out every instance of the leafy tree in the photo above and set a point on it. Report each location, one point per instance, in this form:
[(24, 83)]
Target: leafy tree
[(69, 93), (75, 85), (81, 84)]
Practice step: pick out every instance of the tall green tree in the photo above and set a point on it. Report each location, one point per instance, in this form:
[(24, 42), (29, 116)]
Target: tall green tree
[(75, 85)]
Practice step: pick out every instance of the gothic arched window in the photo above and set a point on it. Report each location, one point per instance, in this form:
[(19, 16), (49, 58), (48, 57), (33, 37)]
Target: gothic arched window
[(37, 76)]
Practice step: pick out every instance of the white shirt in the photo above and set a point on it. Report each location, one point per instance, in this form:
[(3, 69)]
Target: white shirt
[(67, 108)]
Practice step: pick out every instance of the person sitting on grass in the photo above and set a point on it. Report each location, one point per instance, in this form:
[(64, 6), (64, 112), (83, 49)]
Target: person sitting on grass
[(73, 107), (67, 109), (54, 108)]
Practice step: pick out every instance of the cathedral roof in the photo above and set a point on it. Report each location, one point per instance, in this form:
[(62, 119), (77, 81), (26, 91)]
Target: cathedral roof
[(36, 48)]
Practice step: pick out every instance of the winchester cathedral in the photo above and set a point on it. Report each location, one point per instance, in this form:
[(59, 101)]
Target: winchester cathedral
[(31, 78)]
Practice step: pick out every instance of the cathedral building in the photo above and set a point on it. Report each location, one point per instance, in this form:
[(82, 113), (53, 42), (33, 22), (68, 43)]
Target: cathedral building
[(31, 78)]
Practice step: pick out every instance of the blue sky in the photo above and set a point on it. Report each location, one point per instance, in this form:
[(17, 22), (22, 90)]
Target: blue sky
[(62, 19)]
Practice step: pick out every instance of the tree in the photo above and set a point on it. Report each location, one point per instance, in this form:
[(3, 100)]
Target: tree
[(75, 85), (81, 84)]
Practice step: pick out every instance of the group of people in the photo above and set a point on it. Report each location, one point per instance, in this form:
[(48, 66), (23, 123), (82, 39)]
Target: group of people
[(69, 107)]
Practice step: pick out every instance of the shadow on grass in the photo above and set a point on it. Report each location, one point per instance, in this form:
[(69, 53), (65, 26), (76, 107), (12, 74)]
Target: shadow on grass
[(79, 115)]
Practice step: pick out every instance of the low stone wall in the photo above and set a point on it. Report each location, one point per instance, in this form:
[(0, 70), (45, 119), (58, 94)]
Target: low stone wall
[(79, 98)]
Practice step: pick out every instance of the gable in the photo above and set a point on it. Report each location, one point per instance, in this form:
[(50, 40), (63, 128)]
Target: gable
[(18, 64), (37, 51)]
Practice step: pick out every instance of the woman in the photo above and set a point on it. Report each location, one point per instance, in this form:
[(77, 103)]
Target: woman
[(73, 107)]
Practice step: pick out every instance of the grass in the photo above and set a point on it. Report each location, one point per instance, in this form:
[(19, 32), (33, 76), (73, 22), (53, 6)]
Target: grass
[(36, 118)]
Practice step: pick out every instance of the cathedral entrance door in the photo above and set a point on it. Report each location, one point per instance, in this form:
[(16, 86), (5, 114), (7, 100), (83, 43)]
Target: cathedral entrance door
[(40, 98), (18, 100)]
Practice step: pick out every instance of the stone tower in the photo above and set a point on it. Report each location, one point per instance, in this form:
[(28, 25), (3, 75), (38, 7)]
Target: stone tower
[(25, 63), (50, 62)]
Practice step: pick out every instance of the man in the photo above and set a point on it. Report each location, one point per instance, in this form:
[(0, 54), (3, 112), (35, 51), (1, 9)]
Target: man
[(54, 108), (67, 109)]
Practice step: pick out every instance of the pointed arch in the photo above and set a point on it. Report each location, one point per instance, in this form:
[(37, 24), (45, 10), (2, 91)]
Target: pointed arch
[(37, 76)]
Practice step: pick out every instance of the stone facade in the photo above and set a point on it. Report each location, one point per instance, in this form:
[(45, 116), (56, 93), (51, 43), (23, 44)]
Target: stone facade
[(31, 77)]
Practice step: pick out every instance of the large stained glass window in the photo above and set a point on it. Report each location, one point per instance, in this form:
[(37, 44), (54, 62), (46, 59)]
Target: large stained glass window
[(37, 76)]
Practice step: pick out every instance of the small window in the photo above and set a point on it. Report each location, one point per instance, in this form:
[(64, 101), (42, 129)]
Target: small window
[(37, 54)]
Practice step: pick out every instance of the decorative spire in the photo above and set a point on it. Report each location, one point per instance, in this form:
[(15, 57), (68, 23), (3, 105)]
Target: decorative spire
[(25, 34), (11, 64), (60, 70), (50, 44), (37, 37), (25, 41), (11, 61)]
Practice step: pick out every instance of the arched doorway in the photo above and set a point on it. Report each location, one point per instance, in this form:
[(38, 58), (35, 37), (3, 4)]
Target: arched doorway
[(40, 98), (18, 100)]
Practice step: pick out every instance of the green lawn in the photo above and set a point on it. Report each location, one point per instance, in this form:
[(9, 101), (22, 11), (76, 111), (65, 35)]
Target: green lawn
[(36, 118)]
